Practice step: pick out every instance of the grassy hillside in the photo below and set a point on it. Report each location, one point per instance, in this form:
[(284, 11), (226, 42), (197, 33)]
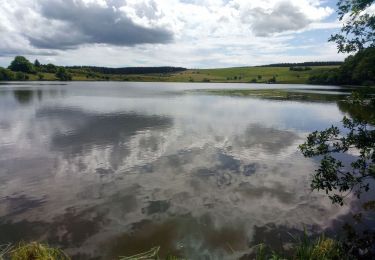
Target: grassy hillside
[(235, 75), (249, 74)]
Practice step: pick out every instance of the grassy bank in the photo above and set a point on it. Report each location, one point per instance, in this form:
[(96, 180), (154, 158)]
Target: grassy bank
[(320, 249), (226, 75)]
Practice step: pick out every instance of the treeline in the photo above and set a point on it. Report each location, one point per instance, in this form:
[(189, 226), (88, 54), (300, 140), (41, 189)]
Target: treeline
[(358, 69), (20, 68), (305, 64), (128, 70)]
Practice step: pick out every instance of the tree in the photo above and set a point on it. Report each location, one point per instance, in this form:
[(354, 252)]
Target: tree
[(357, 136), (358, 31), (50, 68), (21, 64), (358, 69), (333, 176), (63, 75), (36, 63)]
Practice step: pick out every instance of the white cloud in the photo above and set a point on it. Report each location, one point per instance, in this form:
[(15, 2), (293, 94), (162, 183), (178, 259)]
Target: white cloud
[(171, 32)]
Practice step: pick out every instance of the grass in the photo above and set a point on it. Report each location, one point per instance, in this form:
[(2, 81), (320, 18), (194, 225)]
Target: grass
[(226, 75), (304, 249), (32, 251), (249, 74)]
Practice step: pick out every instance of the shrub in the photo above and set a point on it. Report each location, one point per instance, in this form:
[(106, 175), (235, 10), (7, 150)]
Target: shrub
[(63, 75), (6, 74), (21, 76)]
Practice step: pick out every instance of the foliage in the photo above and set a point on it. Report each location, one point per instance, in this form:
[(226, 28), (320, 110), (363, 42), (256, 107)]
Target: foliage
[(272, 80), (305, 64), (63, 75), (128, 70), (21, 64), (48, 68), (37, 63), (358, 69), (299, 68), (321, 249), (175, 74), (329, 77), (333, 176), (339, 179), (6, 74), (21, 76), (358, 31), (306, 249)]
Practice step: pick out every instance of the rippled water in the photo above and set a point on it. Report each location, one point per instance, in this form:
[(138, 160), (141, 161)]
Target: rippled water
[(110, 169)]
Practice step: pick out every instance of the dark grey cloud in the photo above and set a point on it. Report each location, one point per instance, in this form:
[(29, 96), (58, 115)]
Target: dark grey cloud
[(78, 23), (285, 17), (6, 51)]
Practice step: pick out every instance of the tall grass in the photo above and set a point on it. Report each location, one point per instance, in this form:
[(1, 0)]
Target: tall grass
[(307, 249), (31, 251)]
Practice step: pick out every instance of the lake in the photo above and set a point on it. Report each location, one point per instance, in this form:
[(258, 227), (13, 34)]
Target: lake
[(107, 169)]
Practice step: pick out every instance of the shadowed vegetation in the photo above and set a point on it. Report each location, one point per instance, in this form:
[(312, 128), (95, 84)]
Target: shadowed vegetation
[(32, 251)]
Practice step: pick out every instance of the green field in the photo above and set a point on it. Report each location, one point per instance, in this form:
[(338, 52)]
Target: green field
[(249, 74), (234, 75)]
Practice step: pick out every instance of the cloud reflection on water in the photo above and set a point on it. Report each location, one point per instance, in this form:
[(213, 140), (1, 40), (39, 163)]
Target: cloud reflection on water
[(204, 171)]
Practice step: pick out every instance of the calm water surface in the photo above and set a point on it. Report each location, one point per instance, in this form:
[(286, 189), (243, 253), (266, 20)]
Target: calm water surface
[(110, 169)]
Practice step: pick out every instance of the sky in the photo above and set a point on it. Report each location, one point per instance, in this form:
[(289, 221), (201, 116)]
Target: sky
[(186, 33)]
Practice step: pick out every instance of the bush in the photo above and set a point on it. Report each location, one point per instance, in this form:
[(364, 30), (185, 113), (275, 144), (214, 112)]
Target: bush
[(63, 75), (300, 68), (330, 77), (6, 74), (49, 68), (21, 76), (272, 80)]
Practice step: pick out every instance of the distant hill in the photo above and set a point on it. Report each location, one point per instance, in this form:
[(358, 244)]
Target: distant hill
[(128, 70), (313, 63)]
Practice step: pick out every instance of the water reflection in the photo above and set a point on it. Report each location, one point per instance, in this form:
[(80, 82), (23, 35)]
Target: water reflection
[(108, 170), (86, 130), (23, 96)]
